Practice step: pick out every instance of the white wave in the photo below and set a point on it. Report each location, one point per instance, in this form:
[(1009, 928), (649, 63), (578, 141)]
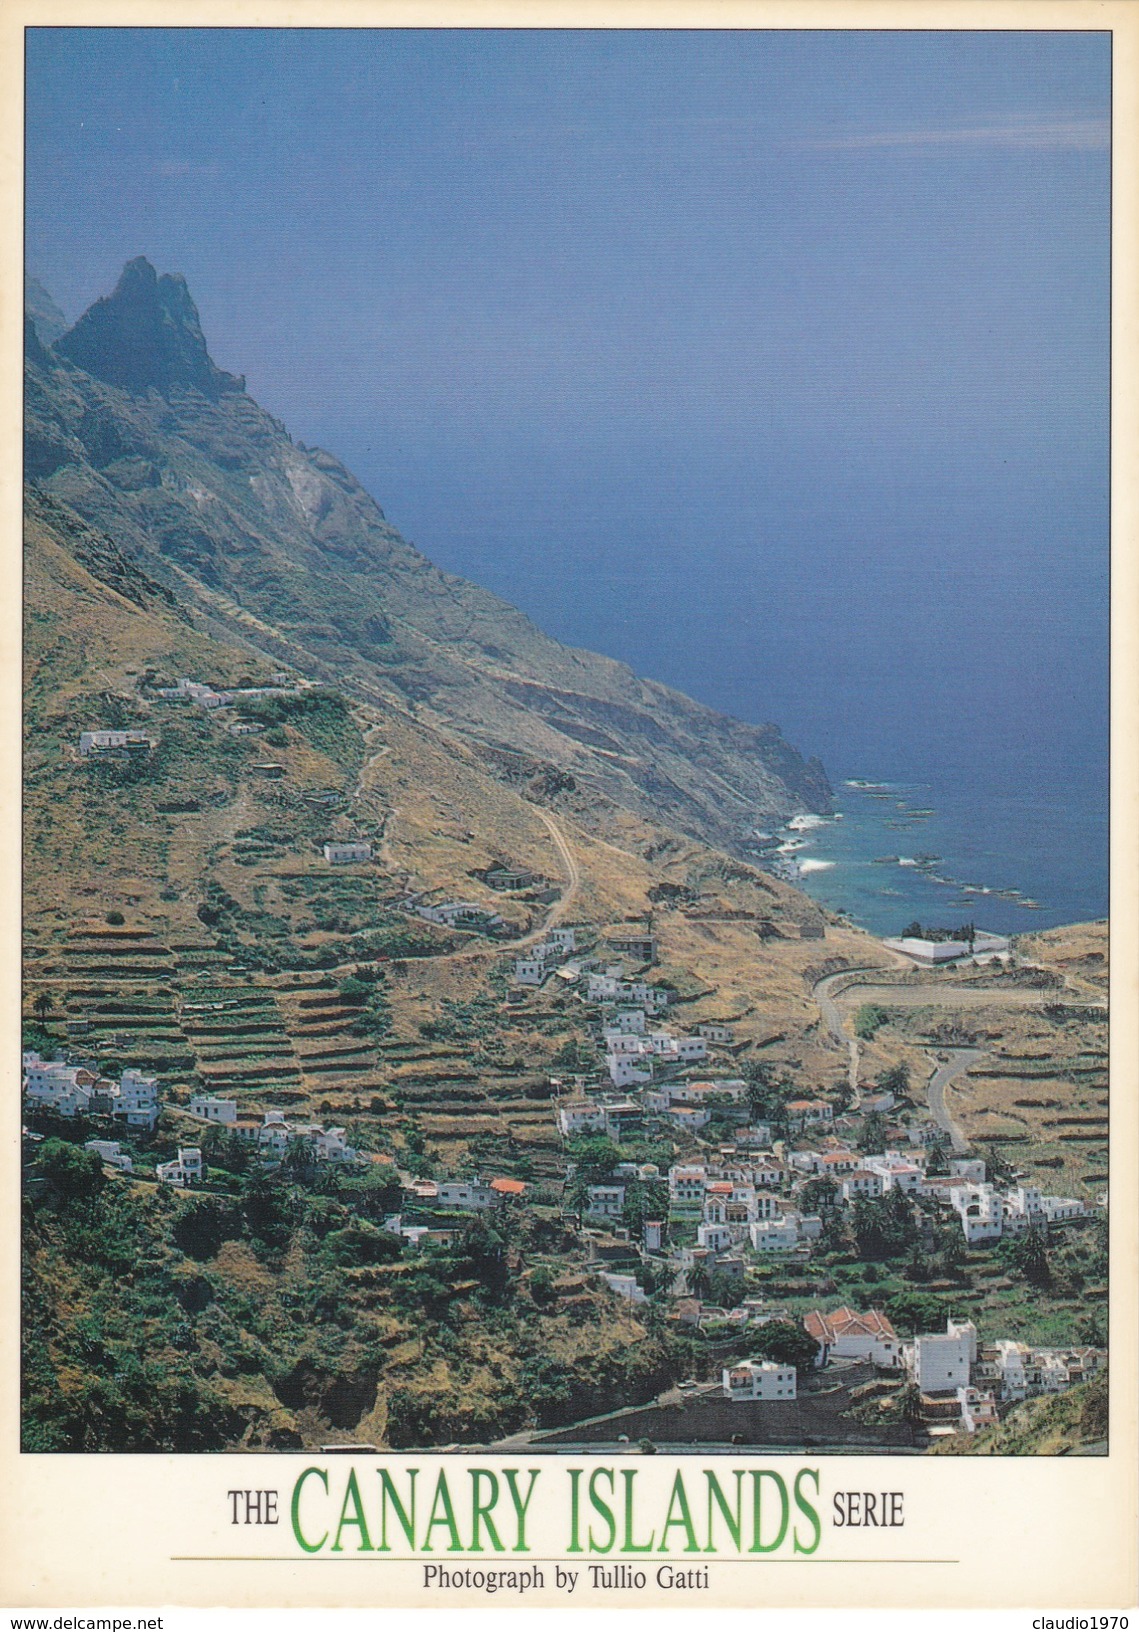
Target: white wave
[(809, 864)]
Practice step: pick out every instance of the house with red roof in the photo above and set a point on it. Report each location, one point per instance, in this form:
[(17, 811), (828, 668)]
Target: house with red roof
[(847, 1334)]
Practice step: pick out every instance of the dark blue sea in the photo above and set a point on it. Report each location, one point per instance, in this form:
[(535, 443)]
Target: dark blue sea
[(941, 634)]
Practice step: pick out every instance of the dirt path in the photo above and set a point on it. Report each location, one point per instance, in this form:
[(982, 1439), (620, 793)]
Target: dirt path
[(832, 1019), (556, 913)]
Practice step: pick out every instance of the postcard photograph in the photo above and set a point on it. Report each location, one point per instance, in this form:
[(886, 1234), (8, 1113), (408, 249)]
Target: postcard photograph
[(565, 871)]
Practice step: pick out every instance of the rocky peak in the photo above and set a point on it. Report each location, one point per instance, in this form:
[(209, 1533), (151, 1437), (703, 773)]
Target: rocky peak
[(146, 335)]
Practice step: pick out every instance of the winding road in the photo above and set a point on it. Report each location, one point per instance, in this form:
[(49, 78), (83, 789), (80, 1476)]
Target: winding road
[(958, 1062)]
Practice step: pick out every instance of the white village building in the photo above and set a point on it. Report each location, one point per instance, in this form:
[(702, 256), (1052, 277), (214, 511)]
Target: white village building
[(760, 1380)]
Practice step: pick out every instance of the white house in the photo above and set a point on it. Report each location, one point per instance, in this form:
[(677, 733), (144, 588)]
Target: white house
[(601, 988), (464, 1195), (730, 1091), (801, 1112), (970, 1169), (861, 1183), (108, 742), (690, 1117), (978, 1409), (459, 915), (834, 1163), (940, 1362), (182, 1172), (331, 1144), (137, 1101), (759, 1380), (689, 1048), (964, 1329), (111, 1152), (624, 1285), (580, 1116), (627, 1069), (618, 1041), (605, 1201), (980, 1210), (66, 1089), (529, 971), (686, 1186), (343, 854), (210, 1109), (716, 1237), (847, 1334), (275, 1133), (564, 939), (629, 1021), (897, 1172), (780, 1234), (653, 1235), (768, 1173), (714, 1032), (1059, 1209)]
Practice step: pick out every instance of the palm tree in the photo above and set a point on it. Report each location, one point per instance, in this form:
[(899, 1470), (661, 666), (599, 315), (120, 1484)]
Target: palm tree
[(909, 1400), (43, 1005)]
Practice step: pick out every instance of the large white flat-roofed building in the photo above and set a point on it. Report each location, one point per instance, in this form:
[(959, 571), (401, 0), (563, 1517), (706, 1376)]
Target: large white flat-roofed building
[(109, 742), (929, 952), (344, 853)]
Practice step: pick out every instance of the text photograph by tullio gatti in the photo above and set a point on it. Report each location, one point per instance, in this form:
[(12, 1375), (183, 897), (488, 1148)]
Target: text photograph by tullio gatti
[(564, 979)]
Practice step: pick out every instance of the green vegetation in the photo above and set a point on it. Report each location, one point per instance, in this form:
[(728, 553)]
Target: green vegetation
[(1073, 1423), (785, 1342), (203, 1320), (869, 1020)]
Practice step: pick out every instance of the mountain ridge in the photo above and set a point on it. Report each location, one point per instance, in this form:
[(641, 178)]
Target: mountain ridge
[(139, 433)]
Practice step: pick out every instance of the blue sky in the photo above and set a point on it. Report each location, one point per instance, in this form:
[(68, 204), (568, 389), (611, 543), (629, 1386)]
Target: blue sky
[(719, 351)]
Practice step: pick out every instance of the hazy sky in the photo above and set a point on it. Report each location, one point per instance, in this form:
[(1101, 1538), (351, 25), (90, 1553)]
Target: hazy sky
[(719, 350)]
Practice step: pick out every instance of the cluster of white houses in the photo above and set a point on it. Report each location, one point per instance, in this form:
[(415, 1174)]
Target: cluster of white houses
[(100, 741), (429, 1196), (604, 981), (271, 1132), (733, 1200), (203, 695), (541, 960), (963, 1382), (987, 1214), (80, 1090)]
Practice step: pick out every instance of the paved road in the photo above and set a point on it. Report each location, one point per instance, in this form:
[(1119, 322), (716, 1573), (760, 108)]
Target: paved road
[(958, 1062), (965, 997)]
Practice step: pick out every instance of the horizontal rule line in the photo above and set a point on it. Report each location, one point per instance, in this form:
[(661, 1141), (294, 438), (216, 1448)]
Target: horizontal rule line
[(504, 1564)]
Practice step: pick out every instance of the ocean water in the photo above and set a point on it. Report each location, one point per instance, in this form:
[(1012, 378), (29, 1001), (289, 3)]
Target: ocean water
[(947, 641), (891, 854)]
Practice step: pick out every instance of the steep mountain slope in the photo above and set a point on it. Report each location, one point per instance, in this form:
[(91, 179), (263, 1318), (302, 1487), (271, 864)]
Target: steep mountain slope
[(180, 917), (130, 423), (41, 309)]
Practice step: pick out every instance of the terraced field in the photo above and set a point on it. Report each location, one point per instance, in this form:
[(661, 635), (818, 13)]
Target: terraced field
[(240, 1040)]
